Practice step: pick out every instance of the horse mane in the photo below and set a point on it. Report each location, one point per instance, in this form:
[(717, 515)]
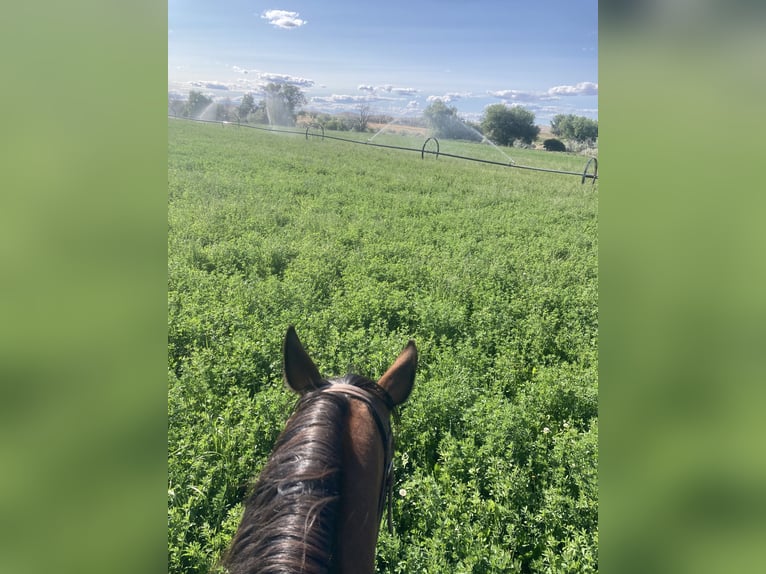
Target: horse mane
[(291, 516)]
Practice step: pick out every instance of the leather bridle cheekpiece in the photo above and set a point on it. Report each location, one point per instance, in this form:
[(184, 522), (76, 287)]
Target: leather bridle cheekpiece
[(376, 401)]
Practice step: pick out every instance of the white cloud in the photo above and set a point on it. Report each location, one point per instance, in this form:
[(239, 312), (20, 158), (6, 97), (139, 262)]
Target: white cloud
[(343, 99), (450, 97), (338, 103), (387, 88), (338, 99), (283, 19), (244, 85), (254, 81), (581, 89), (285, 79), (517, 95), (404, 91), (210, 85)]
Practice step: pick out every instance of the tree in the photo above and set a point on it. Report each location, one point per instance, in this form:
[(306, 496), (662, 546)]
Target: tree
[(364, 117), (503, 125), (445, 123), (282, 102), (225, 111), (196, 104), (578, 128), (246, 106)]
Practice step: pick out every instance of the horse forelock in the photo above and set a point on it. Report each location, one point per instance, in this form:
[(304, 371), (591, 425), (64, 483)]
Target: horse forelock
[(290, 518)]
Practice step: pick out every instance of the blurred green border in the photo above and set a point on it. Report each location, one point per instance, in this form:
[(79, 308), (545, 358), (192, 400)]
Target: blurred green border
[(83, 290), (83, 295), (682, 297)]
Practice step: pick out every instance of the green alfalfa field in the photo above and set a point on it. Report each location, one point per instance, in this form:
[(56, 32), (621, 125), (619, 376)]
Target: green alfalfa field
[(491, 270)]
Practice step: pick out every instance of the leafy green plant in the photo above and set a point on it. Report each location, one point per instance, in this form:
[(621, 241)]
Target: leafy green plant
[(492, 271)]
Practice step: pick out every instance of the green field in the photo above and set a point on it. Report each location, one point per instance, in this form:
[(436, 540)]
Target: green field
[(491, 270)]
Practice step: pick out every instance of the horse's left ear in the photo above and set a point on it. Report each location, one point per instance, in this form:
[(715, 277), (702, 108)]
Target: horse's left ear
[(400, 376), (299, 371)]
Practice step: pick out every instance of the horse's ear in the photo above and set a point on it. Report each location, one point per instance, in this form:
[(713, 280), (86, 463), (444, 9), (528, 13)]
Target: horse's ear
[(299, 371), (400, 376)]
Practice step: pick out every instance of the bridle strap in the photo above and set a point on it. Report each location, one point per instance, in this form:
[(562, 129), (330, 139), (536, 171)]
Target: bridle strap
[(380, 411)]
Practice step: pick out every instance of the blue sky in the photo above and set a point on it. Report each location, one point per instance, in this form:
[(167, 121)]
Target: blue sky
[(392, 55)]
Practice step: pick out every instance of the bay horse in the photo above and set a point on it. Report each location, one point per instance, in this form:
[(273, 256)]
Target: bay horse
[(317, 504)]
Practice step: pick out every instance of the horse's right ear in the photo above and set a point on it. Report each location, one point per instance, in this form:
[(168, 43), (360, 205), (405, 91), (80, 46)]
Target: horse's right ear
[(300, 373), (400, 376)]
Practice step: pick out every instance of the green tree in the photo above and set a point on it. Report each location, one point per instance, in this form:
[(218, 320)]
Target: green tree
[(503, 124), (282, 103), (445, 123), (577, 128), (364, 117), (246, 106), (196, 104), (226, 111)]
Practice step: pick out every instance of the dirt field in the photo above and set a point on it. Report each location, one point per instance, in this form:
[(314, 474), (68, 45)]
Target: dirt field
[(399, 129)]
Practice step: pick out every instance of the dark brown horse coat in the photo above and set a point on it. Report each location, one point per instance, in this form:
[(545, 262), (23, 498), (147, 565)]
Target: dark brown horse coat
[(317, 504)]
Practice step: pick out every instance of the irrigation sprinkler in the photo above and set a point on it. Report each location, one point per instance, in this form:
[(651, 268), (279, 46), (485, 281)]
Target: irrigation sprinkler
[(308, 128), (584, 175), (425, 143)]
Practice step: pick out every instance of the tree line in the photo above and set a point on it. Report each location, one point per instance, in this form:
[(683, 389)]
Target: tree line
[(279, 106), (508, 126), (500, 124), (576, 128)]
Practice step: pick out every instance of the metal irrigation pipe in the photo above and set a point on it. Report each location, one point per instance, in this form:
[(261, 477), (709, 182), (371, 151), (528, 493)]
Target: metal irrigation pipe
[(584, 175), (529, 167)]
